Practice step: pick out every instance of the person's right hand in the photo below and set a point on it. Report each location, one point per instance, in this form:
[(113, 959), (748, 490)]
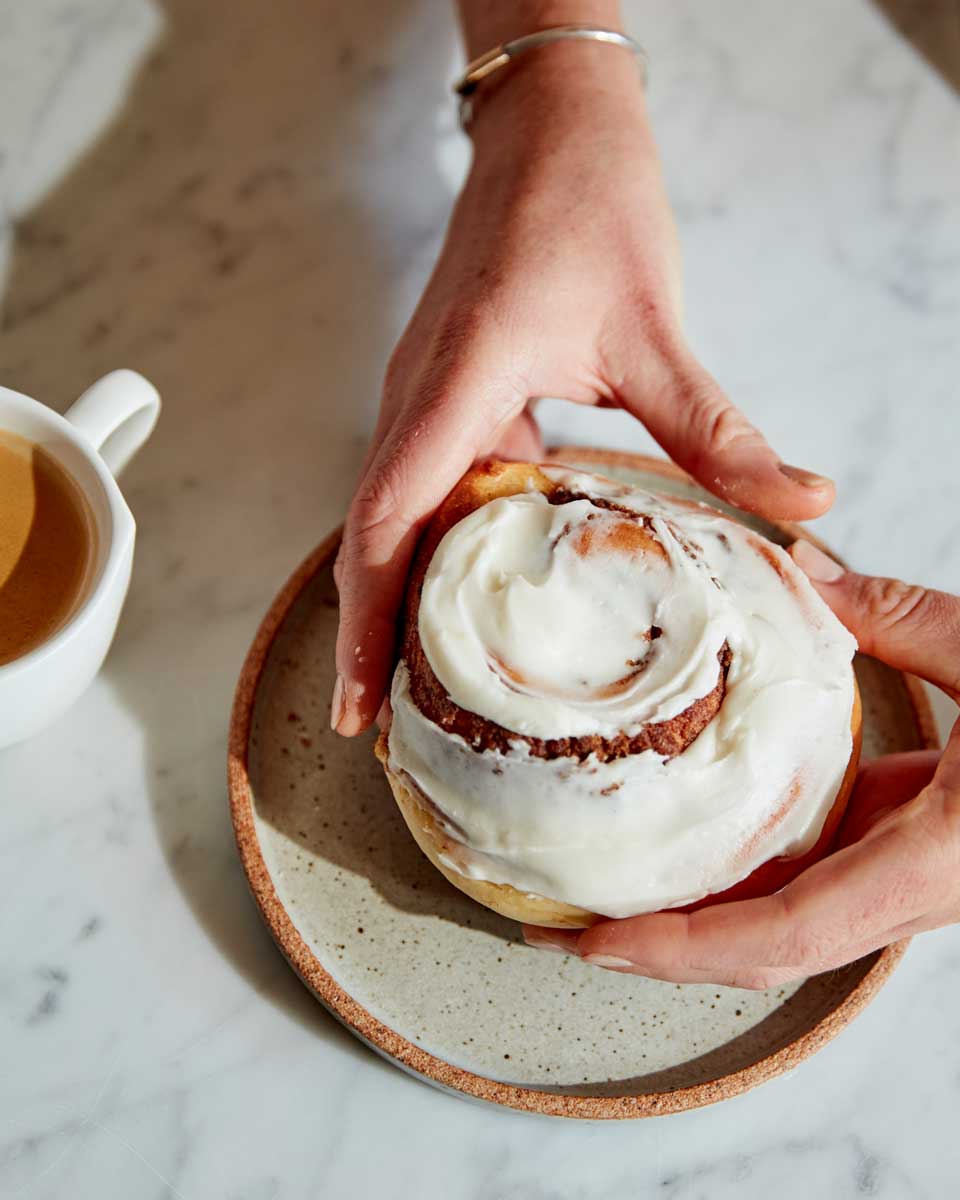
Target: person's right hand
[(897, 869), (560, 276)]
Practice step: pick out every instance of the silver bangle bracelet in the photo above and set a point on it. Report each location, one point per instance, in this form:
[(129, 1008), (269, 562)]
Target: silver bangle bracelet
[(501, 56)]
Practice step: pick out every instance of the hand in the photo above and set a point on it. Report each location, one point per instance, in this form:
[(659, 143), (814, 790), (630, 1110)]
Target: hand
[(898, 872), (560, 276)]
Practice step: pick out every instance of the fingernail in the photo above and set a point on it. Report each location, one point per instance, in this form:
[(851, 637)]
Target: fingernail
[(804, 478), (607, 960), (814, 563), (545, 943), (337, 703), (547, 946)]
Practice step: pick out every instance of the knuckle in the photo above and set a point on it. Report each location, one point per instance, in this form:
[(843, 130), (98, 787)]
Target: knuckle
[(908, 610), (893, 602), (728, 428), (376, 504), (384, 494), (723, 426)]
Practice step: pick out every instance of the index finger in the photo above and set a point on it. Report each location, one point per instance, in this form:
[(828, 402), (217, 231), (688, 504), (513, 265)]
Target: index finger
[(688, 413), (406, 481), (416, 466), (907, 626)]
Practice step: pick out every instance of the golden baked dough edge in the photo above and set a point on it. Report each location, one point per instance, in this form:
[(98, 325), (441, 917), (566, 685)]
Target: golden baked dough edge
[(501, 897), (531, 909)]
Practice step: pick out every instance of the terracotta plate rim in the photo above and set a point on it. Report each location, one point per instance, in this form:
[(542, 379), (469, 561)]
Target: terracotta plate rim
[(394, 1045)]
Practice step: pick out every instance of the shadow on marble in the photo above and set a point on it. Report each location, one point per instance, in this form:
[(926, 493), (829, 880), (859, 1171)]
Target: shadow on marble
[(933, 28), (222, 237)]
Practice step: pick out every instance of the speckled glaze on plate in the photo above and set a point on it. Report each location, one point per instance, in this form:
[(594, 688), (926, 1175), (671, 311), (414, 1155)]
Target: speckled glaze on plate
[(445, 988)]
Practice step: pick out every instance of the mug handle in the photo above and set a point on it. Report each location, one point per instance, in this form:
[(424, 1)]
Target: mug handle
[(117, 414)]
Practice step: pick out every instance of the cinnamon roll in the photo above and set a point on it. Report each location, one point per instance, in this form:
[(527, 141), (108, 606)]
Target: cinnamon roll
[(610, 702)]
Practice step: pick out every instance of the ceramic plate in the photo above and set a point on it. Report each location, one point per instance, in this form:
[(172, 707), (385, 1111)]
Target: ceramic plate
[(445, 988)]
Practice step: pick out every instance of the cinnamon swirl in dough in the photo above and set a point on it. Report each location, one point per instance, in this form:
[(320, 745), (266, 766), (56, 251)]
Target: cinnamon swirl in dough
[(610, 702)]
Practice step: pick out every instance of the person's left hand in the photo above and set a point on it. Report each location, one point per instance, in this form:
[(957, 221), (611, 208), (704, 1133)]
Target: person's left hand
[(559, 276), (898, 871)]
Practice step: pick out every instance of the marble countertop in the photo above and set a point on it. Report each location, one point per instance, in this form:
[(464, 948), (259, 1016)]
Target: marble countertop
[(242, 201)]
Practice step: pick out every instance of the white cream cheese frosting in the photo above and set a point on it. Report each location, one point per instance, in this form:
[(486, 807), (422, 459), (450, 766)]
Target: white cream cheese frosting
[(559, 620)]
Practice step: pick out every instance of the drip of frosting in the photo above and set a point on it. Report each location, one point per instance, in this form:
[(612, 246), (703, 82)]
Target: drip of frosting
[(600, 615)]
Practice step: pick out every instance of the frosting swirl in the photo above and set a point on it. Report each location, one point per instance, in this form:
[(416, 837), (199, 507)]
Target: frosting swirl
[(584, 619)]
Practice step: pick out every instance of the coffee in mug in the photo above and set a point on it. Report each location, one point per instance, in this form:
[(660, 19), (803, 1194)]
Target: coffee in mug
[(66, 542), (47, 545)]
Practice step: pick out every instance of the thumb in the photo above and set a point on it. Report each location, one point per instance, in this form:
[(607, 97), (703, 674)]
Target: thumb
[(909, 627), (688, 413)]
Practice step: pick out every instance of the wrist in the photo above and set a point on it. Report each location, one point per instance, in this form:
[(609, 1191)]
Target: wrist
[(488, 23), (558, 90)]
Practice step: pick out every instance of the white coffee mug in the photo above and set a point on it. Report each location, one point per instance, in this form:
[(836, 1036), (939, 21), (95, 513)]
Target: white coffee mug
[(94, 441)]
